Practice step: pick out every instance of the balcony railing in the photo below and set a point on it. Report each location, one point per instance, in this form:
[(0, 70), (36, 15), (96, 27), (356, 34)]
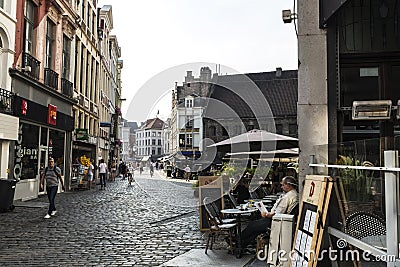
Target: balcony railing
[(30, 65), (6, 101), (51, 78), (67, 87)]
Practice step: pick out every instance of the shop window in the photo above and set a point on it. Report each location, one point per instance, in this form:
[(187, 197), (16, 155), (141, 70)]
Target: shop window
[(369, 26), (26, 152), (358, 83), (43, 137)]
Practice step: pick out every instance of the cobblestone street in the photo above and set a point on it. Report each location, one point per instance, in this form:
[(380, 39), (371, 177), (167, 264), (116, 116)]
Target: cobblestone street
[(145, 224)]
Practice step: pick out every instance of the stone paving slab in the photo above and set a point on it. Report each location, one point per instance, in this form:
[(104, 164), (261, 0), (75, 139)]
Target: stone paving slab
[(120, 226), (197, 258)]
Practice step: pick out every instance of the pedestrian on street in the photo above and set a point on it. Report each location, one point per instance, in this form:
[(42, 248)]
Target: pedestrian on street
[(151, 169), (90, 174), (102, 174), (187, 173), (52, 174)]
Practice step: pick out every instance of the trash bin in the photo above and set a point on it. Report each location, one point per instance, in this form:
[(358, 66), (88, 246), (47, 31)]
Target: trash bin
[(7, 190)]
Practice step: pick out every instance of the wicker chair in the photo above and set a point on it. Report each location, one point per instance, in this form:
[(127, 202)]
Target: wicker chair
[(217, 227), (363, 224), (218, 214)]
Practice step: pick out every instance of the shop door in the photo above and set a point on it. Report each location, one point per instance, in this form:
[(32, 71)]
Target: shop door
[(42, 165)]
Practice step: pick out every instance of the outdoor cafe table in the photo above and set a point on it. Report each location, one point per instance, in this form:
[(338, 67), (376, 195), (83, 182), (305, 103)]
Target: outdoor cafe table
[(238, 213)]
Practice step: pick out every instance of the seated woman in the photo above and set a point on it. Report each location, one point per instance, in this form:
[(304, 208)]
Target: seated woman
[(284, 204)]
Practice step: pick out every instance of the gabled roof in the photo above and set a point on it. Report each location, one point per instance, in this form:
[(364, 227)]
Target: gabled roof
[(280, 92), (153, 124)]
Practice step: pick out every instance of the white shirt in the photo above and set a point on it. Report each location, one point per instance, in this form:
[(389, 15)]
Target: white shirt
[(103, 167), (187, 169), (90, 171), (286, 202)]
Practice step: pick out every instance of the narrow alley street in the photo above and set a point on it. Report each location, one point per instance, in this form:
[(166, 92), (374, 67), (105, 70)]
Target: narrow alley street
[(145, 224)]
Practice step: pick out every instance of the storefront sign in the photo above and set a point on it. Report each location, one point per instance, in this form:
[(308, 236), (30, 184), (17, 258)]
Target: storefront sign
[(81, 134), (52, 114)]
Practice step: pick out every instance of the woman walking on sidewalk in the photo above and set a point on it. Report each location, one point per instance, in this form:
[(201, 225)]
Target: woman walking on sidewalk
[(52, 174)]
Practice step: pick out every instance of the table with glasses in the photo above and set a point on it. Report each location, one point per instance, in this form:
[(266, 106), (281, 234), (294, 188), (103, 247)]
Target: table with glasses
[(238, 214)]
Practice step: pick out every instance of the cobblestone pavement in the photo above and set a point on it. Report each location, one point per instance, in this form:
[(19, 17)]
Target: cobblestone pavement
[(122, 225)]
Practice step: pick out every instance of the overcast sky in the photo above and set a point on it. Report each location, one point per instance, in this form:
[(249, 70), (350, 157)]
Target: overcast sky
[(155, 35)]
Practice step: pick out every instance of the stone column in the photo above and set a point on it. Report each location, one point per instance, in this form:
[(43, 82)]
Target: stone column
[(312, 110)]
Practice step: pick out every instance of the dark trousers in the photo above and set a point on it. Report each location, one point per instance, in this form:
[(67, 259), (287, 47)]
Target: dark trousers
[(253, 229), (51, 194), (102, 179)]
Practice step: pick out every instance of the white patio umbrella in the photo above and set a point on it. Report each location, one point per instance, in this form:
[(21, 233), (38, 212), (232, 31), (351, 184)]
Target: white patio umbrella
[(264, 139)]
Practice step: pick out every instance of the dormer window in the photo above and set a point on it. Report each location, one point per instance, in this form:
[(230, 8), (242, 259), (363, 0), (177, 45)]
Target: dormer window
[(189, 102)]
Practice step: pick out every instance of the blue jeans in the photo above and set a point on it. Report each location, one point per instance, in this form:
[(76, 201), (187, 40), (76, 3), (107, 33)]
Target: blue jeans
[(51, 194), (102, 179)]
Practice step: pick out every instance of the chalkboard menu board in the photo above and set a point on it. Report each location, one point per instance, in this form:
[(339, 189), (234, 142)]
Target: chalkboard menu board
[(311, 221), (209, 186)]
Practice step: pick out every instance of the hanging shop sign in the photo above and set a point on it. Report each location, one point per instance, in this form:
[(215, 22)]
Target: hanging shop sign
[(52, 114), (81, 134), (24, 107)]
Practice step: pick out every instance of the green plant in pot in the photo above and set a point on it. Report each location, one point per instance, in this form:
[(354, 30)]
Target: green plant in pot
[(357, 183)]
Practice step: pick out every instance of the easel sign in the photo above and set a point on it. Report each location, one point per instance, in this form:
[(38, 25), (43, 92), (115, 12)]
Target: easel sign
[(311, 222), (209, 186)]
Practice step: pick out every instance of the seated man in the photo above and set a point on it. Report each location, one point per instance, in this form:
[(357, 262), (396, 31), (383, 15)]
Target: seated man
[(284, 204)]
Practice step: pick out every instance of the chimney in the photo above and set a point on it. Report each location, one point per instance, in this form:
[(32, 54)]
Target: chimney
[(189, 76), (278, 72)]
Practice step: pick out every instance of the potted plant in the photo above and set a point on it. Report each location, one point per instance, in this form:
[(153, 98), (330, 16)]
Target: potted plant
[(357, 185)]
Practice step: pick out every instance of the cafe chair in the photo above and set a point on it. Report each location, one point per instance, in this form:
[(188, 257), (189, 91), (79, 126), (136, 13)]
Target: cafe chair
[(217, 211), (363, 224), (217, 227)]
